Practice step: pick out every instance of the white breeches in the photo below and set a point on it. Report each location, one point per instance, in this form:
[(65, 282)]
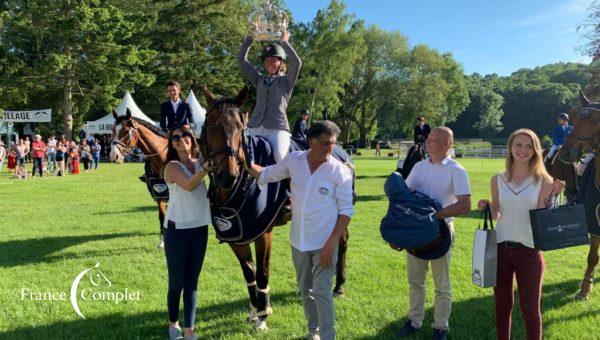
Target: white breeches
[(278, 139)]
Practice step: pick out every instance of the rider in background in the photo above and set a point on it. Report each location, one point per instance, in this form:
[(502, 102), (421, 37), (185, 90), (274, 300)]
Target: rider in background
[(175, 112), (421, 131), (559, 134), (301, 125), (273, 91)]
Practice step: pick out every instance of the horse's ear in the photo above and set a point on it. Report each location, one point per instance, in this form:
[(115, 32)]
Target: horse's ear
[(584, 100), (242, 97), (245, 117), (115, 114), (210, 98), (128, 114)]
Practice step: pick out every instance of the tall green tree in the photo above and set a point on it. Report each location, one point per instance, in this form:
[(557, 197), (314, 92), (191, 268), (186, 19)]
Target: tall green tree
[(483, 115), (73, 56), (329, 46), (196, 43), (378, 79), (435, 88)]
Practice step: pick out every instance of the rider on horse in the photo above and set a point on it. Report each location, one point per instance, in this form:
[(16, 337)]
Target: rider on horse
[(273, 92), (559, 134), (175, 112)]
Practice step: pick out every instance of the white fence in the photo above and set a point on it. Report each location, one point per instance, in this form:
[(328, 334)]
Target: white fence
[(493, 152)]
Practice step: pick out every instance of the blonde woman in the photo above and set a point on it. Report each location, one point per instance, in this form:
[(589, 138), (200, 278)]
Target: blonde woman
[(524, 185)]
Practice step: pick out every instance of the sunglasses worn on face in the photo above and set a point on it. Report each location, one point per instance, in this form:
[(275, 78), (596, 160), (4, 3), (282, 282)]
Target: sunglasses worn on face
[(177, 138)]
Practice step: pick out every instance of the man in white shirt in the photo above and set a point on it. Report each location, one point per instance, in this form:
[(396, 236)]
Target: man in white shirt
[(443, 179), (321, 196)]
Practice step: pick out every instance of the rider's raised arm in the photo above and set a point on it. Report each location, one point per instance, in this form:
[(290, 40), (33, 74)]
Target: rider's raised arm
[(249, 71), (294, 66)]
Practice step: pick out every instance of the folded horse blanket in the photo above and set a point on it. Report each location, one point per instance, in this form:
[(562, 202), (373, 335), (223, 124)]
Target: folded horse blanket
[(410, 221), (251, 208)]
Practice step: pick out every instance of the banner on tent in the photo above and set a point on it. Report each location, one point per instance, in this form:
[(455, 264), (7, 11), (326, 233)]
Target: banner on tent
[(98, 127), (37, 116)]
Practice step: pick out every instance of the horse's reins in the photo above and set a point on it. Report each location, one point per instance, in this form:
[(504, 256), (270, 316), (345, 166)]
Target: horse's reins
[(213, 165), (126, 148)]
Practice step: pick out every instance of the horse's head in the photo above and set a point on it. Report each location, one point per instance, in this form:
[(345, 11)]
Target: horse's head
[(124, 136), (585, 136), (222, 136)]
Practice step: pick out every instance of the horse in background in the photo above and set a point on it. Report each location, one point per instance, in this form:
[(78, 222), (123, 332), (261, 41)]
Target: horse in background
[(128, 133), (229, 192), (414, 155), (565, 171), (585, 138)]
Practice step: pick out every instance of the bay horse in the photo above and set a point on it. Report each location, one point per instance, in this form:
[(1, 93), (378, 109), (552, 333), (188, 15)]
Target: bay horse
[(128, 133), (564, 171), (585, 138), (221, 146)]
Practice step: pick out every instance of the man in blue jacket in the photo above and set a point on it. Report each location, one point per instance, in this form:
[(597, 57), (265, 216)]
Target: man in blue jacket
[(175, 112), (559, 134)]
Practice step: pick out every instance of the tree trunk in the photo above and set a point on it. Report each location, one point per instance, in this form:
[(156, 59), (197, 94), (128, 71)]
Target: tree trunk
[(68, 97), (312, 106)]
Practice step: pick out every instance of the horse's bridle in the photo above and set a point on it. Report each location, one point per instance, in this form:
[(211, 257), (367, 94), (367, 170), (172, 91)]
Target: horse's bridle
[(209, 155), (133, 138), (593, 140)]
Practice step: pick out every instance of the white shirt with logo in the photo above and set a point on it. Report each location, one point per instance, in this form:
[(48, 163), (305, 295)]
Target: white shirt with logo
[(317, 199), (441, 181)]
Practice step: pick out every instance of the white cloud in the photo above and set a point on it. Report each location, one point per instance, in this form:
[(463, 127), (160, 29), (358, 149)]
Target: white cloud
[(552, 15)]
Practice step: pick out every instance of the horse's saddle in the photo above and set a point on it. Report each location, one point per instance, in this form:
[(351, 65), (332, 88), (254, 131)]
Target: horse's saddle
[(252, 209)]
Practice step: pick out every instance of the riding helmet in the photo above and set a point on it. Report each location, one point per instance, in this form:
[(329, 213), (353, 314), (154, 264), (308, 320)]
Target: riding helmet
[(273, 50), (304, 112), (562, 116)]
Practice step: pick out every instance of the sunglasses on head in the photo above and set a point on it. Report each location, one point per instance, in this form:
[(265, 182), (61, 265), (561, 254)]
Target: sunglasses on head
[(177, 138)]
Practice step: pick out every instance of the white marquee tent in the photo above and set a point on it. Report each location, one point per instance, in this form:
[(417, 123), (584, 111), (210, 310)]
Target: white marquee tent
[(198, 112), (104, 125)]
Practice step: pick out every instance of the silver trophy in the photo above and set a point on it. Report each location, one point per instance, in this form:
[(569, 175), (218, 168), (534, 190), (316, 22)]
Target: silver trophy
[(268, 22)]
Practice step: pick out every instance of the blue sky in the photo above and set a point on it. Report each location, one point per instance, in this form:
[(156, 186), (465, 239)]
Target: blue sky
[(486, 36)]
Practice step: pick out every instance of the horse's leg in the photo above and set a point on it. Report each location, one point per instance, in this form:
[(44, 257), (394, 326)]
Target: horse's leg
[(162, 210), (244, 256), (263, 258), (340, 276), (592, 262)]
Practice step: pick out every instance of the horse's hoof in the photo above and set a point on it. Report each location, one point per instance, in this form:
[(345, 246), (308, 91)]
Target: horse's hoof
[(160, 244), (260, 325), (584, 292), (339, 292)]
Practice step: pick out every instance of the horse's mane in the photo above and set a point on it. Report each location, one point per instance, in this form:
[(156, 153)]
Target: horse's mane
[(156, 130)]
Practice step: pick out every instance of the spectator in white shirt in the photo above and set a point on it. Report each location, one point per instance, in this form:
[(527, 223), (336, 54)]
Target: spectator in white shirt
[(443, 179), (51, 153), (321, 196)]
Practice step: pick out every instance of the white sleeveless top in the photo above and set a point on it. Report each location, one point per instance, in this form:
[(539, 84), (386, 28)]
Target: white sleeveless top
[(515, 202), (188, 209)]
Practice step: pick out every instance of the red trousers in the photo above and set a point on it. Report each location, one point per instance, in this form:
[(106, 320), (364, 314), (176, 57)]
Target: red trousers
[(528, 266)]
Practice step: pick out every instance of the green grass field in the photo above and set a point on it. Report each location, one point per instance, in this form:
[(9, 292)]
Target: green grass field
[(53, 228)]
